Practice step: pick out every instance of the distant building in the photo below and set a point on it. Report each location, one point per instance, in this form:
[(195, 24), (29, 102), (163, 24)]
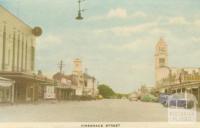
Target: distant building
[(82, 83), (144, 90), (17, 56), (90, 85), (174, 79), (165, 74), (65, 89), (77, 74), (86, 84), (161, 61)]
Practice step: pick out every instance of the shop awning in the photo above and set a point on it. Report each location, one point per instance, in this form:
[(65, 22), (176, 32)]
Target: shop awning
[(18, 76), (66, 87), (4, 79), (5, 82)]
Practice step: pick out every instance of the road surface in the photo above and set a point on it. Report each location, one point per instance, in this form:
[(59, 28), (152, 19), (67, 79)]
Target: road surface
[(84, 111)]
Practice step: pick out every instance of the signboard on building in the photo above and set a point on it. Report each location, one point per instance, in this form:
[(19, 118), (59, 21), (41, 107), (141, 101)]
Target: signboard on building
[(182, 107), (49, 92), (79, 91)]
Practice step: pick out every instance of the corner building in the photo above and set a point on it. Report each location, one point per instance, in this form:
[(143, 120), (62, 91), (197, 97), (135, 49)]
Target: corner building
[(17, 55), (17, 44)]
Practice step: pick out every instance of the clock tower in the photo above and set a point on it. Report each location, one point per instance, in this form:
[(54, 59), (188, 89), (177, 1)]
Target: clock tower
[(161, 59)]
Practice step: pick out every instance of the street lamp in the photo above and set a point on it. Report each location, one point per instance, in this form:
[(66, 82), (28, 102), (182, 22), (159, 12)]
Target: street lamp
[(79, 17)]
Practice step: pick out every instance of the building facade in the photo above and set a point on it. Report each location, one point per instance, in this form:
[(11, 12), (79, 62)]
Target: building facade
[(77, 84), (17, 55), (161, 60), (78, 77), (174, 79), (6, 90), (165, 74), (86, 84), (90, 84), (17, 44)]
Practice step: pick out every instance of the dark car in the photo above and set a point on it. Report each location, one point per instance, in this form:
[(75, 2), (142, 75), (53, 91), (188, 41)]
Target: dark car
[(163, 98), (181, 100)]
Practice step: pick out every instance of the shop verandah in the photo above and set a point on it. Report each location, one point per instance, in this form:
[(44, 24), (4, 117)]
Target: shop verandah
[(189, 87), (65, 92), (27, 88)]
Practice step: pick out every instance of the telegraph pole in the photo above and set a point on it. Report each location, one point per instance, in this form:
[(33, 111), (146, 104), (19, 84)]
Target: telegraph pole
[(61, 65)]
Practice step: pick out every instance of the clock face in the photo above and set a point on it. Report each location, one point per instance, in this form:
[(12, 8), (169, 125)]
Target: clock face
[(37, 31)]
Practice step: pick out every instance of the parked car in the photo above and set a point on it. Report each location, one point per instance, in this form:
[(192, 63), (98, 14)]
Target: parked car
[(181, 100), (133, 97), (163, 98)]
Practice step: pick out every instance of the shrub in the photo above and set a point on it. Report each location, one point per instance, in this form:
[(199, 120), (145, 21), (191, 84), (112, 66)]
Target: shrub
[(149, 98)]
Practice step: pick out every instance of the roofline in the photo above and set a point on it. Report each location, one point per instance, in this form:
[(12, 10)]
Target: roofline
[(5, 79), (15, 16), (185, 67), (176, 85), (25, 75)]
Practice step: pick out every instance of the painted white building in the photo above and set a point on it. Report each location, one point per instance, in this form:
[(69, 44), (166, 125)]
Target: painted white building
[(78, 76), (86, 84), (81, 82), (17, 43), (90, 85), (49, 92), (17, 54)]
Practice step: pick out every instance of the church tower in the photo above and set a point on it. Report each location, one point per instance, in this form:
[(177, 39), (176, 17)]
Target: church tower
[(161, 59)]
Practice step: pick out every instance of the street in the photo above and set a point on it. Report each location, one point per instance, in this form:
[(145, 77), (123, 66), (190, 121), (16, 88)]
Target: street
[(84, 111)]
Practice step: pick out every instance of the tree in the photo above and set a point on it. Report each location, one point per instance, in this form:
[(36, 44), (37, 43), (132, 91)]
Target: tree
[(106, 91), (144, 89)]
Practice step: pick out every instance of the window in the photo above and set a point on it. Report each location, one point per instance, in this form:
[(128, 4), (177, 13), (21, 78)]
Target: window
[(1, 93), (8, 61), (162, 61), (4, 48)]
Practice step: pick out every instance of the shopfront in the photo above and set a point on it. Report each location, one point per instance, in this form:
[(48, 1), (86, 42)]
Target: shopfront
[(27, 88), (64, 92), (6, 90)]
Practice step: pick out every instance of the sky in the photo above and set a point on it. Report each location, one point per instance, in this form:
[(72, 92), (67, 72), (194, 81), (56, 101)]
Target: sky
[(116, 40)]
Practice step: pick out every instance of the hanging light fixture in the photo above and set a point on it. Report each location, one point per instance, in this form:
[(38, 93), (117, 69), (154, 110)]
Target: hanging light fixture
[(79, 17)]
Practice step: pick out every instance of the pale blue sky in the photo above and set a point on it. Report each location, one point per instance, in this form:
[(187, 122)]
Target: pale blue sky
[(116, 40)]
